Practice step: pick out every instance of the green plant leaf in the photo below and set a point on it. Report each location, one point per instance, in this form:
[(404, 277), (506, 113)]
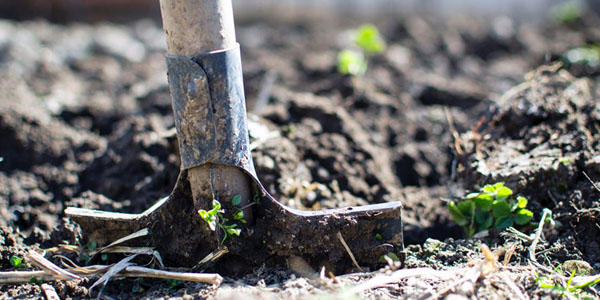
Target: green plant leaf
[(16, 261), (466, 208), (237, 199), (504, 221), (472, 195), (458, 217), (502, 193), (500, 209), (209, 217), (351, 63), (483, 201), (521, 202), (489, 188), (239, 216), (523, 216), (234, 231), (484, 219), (216, 205), (368, 39)]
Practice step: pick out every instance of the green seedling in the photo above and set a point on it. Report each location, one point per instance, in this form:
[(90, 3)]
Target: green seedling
[(588, 55), (351, 62), (369, 42), (239, 216), (567, 12), (368, 39), (214, 218), (564, 160), (16, 261), (569, 290), (491, 206)]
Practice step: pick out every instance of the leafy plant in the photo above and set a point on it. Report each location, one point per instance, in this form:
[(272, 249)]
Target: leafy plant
[(491, 206), (569, 290), (16, 261), (369, 42), (215, 218)]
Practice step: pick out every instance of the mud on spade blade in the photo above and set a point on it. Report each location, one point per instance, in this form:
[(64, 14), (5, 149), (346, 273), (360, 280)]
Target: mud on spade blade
[(210, 85)]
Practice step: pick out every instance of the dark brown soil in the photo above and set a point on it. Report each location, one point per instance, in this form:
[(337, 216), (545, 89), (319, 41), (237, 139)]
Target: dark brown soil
[(85, 121)]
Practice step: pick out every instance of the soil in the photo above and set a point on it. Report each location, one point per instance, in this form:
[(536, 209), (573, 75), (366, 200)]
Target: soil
[(453, 103)]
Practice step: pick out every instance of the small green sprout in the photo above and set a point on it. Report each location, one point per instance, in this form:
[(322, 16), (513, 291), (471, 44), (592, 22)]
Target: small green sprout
[(211, 216), (564, 160), (351, 62), (567, 12), (239, 216), (491, 206), (378, 236), (104, 257), (568, 290), (369, 42), (16, 261), (368, 39), (214, 218)]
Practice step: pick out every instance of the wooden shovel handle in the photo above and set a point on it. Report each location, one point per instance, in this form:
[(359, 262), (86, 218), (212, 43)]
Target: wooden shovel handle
[(193, 27), (196, 26)]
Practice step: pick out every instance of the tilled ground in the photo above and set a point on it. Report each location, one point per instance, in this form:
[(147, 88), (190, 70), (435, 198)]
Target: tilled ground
[(85, 121)]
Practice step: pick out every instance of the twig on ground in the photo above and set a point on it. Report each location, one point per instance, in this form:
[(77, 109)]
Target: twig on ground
[(121, 269), (469, 277), (514, 288), (50, 292), (137, 234), (112, 271), (41, 262), (135, 271), (509, 253), (538, 234), (590, 180), (341, 238), (18, 277), (379, 281)]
